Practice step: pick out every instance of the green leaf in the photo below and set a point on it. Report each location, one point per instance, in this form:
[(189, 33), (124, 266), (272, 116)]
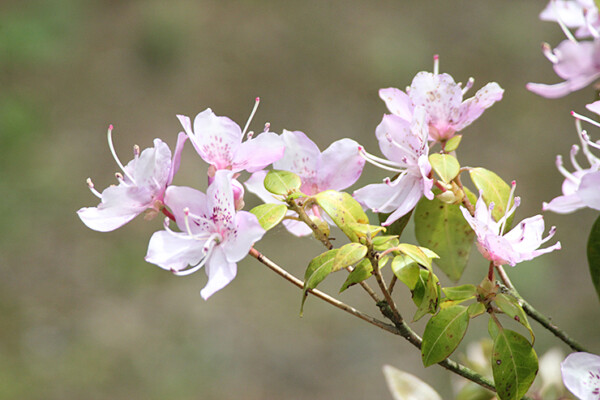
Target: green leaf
[(463, 292), (511, 307), (514, 365), (446, 166), (397, 227), (475, 309), (282, 182), (381, 243), (343, 210), (593, 255), (493, 328), (417, 254), (361, 272), (442, 228), (405, 386), (269, 214), (364, 230), (348, 254), (430, 294), (443, 334), (452, 143), (406, 270), (317, 270), (494, 189)]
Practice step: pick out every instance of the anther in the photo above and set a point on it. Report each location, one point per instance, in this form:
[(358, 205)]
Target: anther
[(92, 189), (468, 86), (549, 54), (136, 150), (267, 127)]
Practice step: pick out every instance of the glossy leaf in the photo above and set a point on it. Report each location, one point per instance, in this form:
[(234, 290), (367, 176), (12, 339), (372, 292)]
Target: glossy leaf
[(514, 365), (446, 166), (365, 230), (406, 270), (593, 255), (317, 270), (442, 228), (343, 210), (493, 328), (269, 215), (462, 292), (405, 386), (494, 189), (426, 294), (397, 227), (361, 272), (475, 309), (282, 182), (417, 254), (348, 255), (511, 307), (381, 243), (443, 333), (452, 143)]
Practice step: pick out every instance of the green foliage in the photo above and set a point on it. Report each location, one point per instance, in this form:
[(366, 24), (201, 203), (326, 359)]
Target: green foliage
[(443, 334), (476, 309), (361, 272), (282, 182), (418, 254), (494, 190), (406, 270), (458, 293), (511, 307), (381, 243), (452, 143), (442, 228), (593, 255), (348, 255), (343, 210), (269, 215), (317, 270), (397, 227), (514, 364), (365, 230), (426, 294), (446, 166)]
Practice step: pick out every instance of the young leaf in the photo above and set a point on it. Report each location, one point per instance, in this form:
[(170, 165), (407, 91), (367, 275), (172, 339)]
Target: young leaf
[(364, 230), (514, 365), (348, 254), (381, 243), (417, 254), (406, 270), (452, 143), (442, 228), (405, 386), (511, 307), (430, 294), (361, 272), (269, 214), (446, 166), (493, 328), (463, 292), (397, 227), (282, 182), (593, 255), (317, 270), (443, 334), (494, 189), (343, 210), (475, 309)]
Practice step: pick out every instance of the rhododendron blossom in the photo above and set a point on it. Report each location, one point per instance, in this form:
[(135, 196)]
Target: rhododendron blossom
[(142, 185), (520, 244), (581, 375), (337, 168), (581, 188), (442, 100), (406, 148), (212, 233), (581, 14)]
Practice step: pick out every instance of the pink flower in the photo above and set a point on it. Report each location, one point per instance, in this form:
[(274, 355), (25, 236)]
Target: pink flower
[(581, 14), (405, 146), (219, 141), (442, 100), (581, 375), (142, 185), (337, 168), (580, 188), (520, 244), (212, 233)]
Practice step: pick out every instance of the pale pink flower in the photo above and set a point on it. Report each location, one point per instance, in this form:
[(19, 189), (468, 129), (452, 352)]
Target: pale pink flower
[(442, 100), (520, 244), (337, 168), (212, 233), (581, 375), (580, 14), (141, 187), (219, 141), (405, 146), (581, 188)]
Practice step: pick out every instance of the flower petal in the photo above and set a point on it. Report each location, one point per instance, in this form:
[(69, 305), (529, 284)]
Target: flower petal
[(220, 272), (398, 102), (177, 198), (581, 375), (255, 154), (301, 157), (472, 108), (174, 251), (181, 138), (341, 165), (247, 232)]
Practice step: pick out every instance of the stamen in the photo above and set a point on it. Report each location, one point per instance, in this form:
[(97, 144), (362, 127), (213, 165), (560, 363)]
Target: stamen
[(562, 25), (547, 51), (584, 118), (256, 103), (468, 86), (563, 170), (572, 154), (551, 233), (436, 64), (92, 189), (380, 162), (114, 154), (267, 127)]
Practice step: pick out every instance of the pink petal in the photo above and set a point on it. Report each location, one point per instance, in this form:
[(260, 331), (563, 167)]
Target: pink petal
[(247, 232), (575, 59), (173, 252), (398, 102), (301, 156), (220, 272), (181, 138), (406, 145), (589, 190), (341, 165), (256, 184), (177, 198), (107, 219), (257, 153), (564, 204), (472, 108), (220, 199), (151, 168), (296, 228), (594, 107), (569, 12)]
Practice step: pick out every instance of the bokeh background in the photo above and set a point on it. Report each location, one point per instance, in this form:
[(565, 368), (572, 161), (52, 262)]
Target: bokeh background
[(83, 316)]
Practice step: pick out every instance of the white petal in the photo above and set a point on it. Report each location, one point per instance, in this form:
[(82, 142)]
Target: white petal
[(172, 252), (581, 375), (220, 272)]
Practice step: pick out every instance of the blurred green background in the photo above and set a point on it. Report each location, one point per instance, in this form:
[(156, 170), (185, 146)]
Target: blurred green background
[(83, 316)]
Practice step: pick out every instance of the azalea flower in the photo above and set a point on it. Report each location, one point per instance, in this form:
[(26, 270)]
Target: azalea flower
[(405, 146), (520, 244), (219, 141), (581, 375), (141, 187), (212, 233), (442, 100), (581, 187), (581, 14), (337, 168)]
